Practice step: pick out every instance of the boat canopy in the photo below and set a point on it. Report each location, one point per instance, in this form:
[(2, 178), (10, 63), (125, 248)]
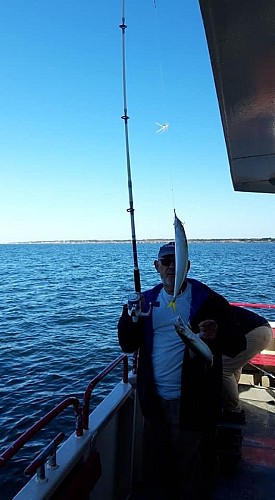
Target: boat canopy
[(241, 42)]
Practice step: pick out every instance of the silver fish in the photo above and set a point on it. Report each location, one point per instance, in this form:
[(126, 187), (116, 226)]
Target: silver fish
[(181, 259), (193, 341)]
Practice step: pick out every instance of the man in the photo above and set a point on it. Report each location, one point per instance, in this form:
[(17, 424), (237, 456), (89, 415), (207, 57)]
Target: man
[(258, 334), (180, 395)]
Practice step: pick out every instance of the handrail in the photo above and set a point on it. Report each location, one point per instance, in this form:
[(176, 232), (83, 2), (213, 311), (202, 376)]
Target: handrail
[(26, 436), (87, 395), (39, 461), (81, 414), (256, 306)]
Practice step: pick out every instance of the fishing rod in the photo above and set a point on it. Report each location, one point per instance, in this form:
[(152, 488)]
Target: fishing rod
[(125, 118), (134, 300)]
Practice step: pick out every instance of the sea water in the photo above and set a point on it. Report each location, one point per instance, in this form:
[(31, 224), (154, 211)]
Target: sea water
[(59, 307)]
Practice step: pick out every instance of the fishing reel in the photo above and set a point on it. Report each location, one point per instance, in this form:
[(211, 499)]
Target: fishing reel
[(134, 306)]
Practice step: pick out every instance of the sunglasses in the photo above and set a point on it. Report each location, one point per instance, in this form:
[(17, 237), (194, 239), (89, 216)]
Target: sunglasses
[(166, 261)]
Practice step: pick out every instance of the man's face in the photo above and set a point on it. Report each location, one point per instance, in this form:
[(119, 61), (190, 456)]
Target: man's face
[(165, 266)]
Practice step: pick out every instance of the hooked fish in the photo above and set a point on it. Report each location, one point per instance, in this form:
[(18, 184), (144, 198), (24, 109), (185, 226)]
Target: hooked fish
[(193, 341), (181, 259)]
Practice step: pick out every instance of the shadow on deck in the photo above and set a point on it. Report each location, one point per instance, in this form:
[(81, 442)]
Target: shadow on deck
[(251, 475)]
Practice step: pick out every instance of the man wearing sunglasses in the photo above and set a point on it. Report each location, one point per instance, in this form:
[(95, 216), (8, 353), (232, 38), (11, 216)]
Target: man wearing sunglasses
[(180, 396)]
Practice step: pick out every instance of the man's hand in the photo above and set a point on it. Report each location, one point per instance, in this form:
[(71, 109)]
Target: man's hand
[(208, 329)]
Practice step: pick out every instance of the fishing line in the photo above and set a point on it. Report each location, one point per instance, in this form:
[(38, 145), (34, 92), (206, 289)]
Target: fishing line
[(125, 118), (158, 43), (172, 189), (163, 126)]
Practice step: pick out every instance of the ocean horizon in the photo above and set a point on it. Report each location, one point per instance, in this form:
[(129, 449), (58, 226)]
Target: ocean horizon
[(145, 240)]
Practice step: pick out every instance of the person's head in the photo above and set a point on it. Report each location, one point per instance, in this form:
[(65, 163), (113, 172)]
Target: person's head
[(165, 266)]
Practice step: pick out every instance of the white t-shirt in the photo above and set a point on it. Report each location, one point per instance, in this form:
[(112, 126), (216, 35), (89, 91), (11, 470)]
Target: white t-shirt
[(167, 353)]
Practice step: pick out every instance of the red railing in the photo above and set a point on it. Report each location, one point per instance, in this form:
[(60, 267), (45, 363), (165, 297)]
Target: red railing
[(39, 461), (256, 306), (81, 414), (87, 396), (26, 436)]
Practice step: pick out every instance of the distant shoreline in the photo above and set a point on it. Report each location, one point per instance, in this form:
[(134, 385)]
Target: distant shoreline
[(160, 240)]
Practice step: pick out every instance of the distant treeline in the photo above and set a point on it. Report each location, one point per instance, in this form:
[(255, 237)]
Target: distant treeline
[(160, 240)]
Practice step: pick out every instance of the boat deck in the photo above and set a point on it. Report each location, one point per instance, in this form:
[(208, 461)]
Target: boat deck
[(253, 477), (247, 461)]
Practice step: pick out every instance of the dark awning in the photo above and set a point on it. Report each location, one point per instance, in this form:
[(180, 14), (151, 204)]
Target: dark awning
[(241, 41)]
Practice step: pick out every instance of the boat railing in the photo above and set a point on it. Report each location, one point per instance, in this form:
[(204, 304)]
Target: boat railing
[(28, 435), (253, 306), (90, 387), (81, 415), (38, 464)]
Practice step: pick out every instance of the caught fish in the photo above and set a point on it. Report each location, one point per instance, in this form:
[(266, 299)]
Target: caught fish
[(193, 341), (181, 259)]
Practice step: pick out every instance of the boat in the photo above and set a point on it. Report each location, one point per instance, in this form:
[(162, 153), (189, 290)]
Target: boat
[(102, 458)]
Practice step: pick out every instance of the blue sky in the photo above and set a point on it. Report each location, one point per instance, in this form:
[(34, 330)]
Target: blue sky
[(62, 149)]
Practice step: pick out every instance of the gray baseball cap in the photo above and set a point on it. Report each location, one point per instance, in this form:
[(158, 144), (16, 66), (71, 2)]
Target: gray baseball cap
[(167, 249)]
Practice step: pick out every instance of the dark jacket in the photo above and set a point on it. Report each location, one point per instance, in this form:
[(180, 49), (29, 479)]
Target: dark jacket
[(201, 386)]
